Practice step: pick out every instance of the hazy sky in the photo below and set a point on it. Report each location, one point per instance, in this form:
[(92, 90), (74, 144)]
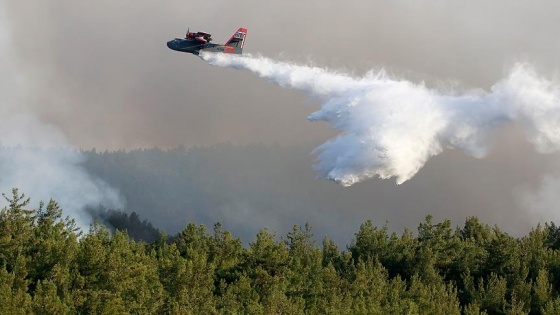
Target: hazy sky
[(100, 72)]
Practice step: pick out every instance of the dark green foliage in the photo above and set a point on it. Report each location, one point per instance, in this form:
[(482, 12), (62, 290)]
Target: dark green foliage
[(137, 229), (48, 267)]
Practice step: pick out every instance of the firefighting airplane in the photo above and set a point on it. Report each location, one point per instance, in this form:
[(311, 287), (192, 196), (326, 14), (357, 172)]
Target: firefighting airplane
[(198, 42)]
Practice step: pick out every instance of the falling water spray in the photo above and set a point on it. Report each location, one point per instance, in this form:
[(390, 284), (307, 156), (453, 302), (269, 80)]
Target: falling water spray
[(391, 127)]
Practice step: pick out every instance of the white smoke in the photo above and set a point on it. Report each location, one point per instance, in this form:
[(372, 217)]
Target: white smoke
[(391, 128), (541, 201), (35, 157)]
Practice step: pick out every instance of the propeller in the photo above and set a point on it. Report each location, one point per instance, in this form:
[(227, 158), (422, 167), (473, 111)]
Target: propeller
[(188, 31)]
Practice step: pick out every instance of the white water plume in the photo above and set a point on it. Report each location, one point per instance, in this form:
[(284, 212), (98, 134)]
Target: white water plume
[(391, 127)]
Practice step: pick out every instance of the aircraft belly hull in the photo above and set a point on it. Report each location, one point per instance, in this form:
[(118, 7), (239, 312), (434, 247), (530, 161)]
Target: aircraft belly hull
[(222, 49)]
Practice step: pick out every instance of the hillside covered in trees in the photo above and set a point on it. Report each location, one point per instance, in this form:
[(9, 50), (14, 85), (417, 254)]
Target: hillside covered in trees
[(248, 187), (47, 266)]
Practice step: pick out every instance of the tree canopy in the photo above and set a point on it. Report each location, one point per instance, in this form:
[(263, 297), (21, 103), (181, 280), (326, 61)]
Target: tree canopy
[(48, 266)]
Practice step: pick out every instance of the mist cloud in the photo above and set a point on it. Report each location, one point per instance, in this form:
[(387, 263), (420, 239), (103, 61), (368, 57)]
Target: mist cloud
[(391, 128), (541, 201)]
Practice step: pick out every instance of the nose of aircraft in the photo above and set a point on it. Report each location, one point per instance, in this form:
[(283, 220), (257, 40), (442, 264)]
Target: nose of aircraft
[(170, 44)]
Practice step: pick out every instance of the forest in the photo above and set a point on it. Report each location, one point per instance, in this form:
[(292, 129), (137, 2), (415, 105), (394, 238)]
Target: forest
[(248, 187), (48, 266)]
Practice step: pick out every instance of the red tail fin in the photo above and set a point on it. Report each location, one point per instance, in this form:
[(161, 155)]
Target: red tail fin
[(238, 38)]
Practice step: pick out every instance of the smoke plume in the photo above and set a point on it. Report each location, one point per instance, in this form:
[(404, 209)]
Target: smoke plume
[(392, 127), (35, 156)]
